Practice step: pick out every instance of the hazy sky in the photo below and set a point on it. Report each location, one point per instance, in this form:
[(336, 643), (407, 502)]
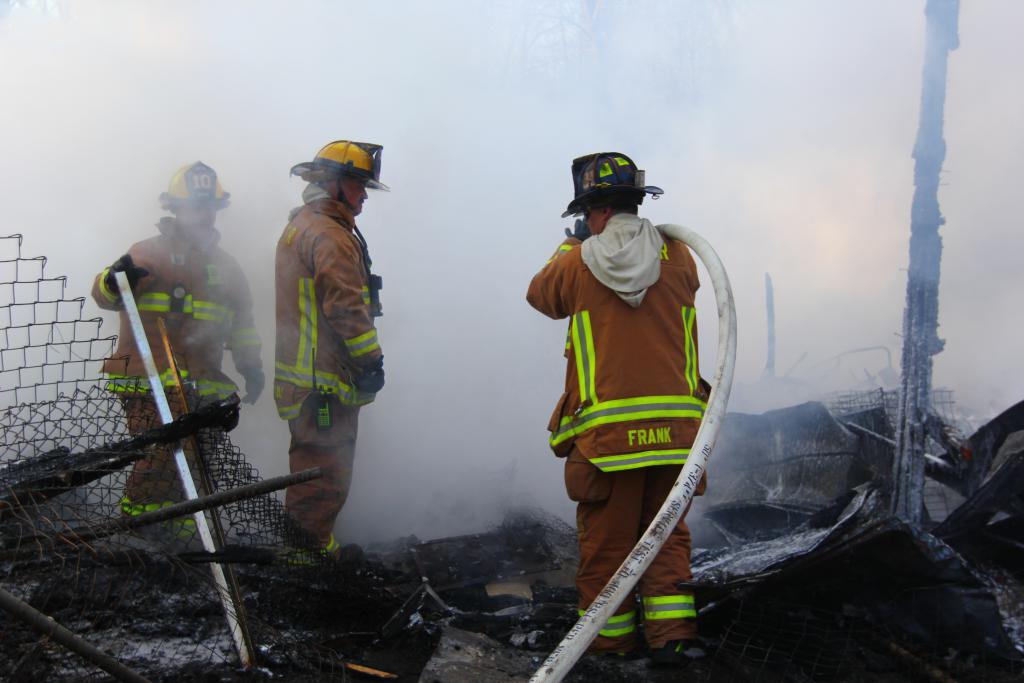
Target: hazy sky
[(782, 131)]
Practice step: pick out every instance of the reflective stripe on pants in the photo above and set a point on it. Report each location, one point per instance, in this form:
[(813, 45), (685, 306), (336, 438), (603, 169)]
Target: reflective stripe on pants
[(615, 509)]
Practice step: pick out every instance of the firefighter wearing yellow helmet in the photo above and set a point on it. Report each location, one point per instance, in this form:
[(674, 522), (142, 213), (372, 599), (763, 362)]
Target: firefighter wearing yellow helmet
[(328, 357), (182, 276), (195, 184)]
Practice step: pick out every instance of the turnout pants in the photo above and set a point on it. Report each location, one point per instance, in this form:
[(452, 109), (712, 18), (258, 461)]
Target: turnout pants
[(613, 511), (314, 505), (153, 481)]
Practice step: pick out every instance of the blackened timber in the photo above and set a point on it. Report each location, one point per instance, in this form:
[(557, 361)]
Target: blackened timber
[(921, 315)]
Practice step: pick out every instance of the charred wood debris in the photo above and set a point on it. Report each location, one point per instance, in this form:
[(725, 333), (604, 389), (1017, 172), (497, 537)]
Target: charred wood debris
[(800, 569)]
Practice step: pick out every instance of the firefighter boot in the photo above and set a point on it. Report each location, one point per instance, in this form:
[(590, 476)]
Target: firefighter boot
[(676, 653)]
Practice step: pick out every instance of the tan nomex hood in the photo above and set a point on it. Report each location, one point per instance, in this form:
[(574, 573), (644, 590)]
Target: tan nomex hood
[(626, 256)]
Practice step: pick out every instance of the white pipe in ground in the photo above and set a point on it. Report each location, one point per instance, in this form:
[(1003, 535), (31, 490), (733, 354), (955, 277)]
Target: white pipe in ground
[(560, 662)]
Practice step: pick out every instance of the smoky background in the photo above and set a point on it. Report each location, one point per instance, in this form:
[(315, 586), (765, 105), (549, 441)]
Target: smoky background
[(781, 131)]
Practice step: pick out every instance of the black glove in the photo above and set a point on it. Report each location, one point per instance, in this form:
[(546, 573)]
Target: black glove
[(124, 264), (254, 383), (371, 380)]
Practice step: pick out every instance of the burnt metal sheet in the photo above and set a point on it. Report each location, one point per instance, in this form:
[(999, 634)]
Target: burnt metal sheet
[(981, 448), (770, 472), (868, 561), (722, 570), (1001, 491)]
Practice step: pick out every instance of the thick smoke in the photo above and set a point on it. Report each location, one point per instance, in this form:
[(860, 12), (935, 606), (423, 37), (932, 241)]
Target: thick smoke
[(782, 131)]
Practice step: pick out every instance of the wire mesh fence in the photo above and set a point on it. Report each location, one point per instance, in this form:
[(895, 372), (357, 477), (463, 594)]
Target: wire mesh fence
[(848, 402), (77, 461)]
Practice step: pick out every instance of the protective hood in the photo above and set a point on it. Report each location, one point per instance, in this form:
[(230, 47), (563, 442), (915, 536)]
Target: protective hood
[(312, 193), (626, 256)]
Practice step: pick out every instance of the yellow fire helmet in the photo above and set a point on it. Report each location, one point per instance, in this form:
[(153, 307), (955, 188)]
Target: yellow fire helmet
[(194, 184), (359, 160)]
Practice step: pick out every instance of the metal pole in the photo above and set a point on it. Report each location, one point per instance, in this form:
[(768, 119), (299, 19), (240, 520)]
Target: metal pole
[(75, 536), (231, 610)]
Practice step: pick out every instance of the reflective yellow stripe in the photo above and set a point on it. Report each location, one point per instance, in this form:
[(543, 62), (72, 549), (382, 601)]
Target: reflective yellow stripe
[(136, 509), (669, 607), (311, 311), (363, 344), (625, 410), (207, 387), (332, 545), (302, 357), (586, 361), (632, 461), (289, 412), (158, 302), (366, 295), (244, 336), (356, 341), (184, 526), (365, 350), (562, 248), (124, 384), (107, 294), (326, 383), (689, 351), (618, 625), (210, 310)]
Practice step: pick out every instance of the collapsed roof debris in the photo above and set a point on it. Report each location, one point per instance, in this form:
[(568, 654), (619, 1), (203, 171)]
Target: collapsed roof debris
[(806, 576)]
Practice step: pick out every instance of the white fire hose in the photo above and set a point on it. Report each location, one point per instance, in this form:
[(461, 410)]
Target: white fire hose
[(560, 662)]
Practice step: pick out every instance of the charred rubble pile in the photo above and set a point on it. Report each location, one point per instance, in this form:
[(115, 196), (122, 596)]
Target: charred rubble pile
[(806, 570), (801, 573)]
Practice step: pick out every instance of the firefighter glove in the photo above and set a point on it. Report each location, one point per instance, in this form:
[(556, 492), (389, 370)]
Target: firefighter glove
[(580, 230), (125, 265), (254, 382), (371, 380)]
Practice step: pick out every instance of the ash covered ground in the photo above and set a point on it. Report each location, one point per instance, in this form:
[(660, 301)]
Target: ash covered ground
[(805, 577)]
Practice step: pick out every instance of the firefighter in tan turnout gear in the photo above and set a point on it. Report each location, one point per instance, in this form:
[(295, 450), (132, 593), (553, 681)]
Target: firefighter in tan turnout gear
[(633, 396), (328, 358), (201, 293)]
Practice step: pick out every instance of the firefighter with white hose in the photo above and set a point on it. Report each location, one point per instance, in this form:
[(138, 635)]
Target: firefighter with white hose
[(633, 398)]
